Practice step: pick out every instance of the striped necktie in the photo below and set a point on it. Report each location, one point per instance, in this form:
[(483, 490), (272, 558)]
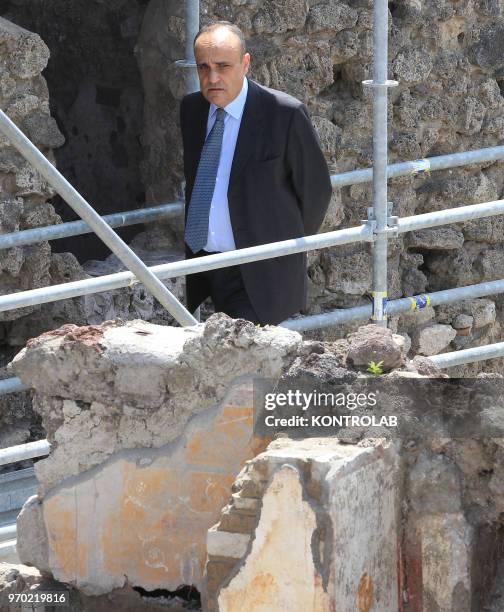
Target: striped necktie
[(196, 229)]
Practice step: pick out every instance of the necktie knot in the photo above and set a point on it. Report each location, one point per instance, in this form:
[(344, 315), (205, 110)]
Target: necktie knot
[(220, 114)]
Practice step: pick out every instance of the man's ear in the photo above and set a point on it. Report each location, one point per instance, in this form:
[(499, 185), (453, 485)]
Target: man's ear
[(246, 62)]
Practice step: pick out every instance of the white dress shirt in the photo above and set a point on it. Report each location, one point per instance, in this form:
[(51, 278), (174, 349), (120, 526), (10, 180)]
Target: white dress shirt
[(220, 232)]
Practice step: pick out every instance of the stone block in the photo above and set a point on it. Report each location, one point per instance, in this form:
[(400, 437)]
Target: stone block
[(331, 16), (489, 230), (482, 311), (237, 522), (32, 547), (280, 17), (344, 46), (436, 239), (226, 544), (349, 274), (329, 134), (435, 485), (462, 321), (28, 54), (432, 338), (246, 504), (412, 65), (488, 50), (43, 130), (22, 106), (491, 264), (373, 343), (326, 536), (29, 182)]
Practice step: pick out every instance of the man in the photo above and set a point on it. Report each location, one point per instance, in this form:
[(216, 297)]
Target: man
[(254, 174)]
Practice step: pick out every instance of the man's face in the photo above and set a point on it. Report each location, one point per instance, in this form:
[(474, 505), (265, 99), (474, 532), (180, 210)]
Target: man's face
[(221, 66)]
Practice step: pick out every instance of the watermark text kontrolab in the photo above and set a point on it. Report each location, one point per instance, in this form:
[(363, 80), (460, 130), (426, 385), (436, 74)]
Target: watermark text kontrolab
[(315, 400)]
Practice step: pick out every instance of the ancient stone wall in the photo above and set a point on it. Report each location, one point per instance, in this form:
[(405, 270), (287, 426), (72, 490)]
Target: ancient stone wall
[(447, 58), (25, 98), (156, 479), (24, 195)]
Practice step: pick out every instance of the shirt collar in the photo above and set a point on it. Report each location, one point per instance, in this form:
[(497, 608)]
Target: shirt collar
[(236, 106)]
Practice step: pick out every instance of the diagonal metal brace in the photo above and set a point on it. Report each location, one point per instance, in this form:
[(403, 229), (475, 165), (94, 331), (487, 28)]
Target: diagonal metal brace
[(87, 213)]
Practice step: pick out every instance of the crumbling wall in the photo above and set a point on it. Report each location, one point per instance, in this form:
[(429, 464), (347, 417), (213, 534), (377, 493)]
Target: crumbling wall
[(24, 196), (156, 480), (149, 426), (312, 525), (24, 193)]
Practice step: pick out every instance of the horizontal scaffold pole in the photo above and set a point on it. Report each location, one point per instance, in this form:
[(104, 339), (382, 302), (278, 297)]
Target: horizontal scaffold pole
[(478, 353), (364, 232), (13, 454), (421, 166), (155, 213), (395, 307), (118, 280), (76, 228)]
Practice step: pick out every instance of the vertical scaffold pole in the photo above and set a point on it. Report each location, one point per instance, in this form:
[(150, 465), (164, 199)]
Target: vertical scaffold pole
[(192, 24), (192, 28), (380, 212)]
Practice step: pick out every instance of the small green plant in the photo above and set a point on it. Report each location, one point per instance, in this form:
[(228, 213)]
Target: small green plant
[(375, 368)]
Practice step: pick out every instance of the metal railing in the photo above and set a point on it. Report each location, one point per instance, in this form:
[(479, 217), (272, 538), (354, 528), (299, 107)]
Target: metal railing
[(412, 169), (477, 353), (15, 488)]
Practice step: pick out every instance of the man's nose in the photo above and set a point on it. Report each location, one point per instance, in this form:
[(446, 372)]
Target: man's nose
[(214, 76)]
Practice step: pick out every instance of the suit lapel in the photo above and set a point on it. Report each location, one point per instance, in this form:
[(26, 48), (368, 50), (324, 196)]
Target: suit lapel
[(248, 136)]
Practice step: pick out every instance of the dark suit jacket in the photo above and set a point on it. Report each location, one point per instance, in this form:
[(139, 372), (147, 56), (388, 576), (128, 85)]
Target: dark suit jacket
[(279, 188)]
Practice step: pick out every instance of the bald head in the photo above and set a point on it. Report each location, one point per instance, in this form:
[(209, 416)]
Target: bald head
[(226, 26)]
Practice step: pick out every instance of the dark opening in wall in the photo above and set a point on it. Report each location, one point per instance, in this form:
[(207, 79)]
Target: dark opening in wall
[(186, 596), (96, 97)]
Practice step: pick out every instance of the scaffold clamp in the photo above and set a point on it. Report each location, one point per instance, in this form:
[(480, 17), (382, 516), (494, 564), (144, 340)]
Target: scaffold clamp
[(380, 299), (392, 228)]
